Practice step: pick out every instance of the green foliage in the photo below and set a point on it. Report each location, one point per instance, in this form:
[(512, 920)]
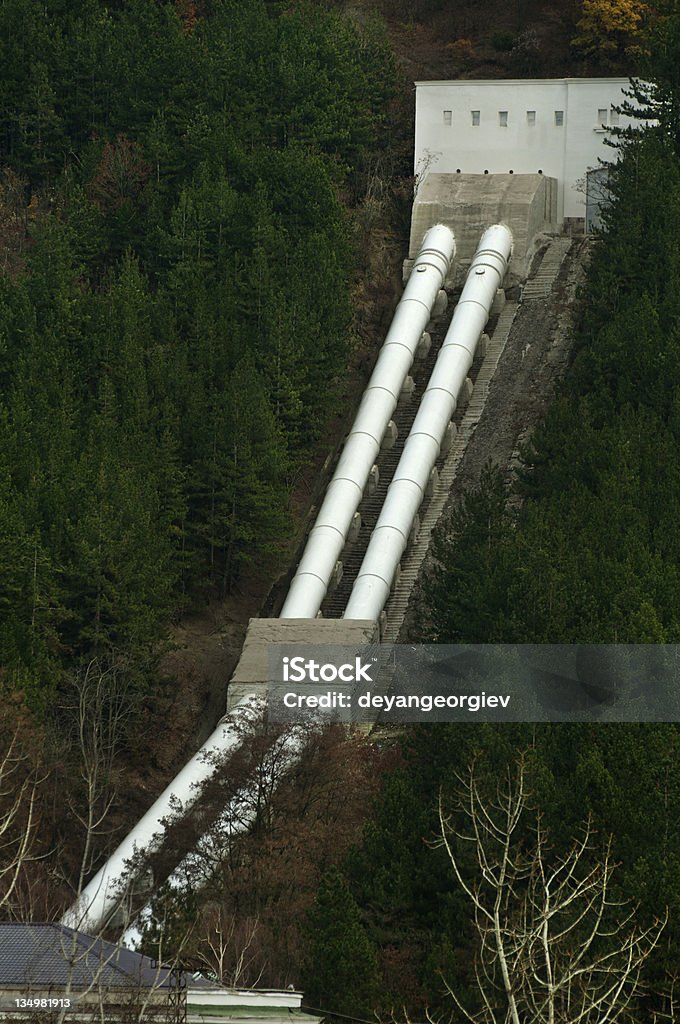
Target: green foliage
[(343, 977), (589, 555), (412, 904), (655, 95), (461, 604), (175, 325), (503, 41), (592, 554), (609, 28), (593, 557)]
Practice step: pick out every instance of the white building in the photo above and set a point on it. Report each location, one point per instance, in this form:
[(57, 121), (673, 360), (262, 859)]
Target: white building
[(555, 126)]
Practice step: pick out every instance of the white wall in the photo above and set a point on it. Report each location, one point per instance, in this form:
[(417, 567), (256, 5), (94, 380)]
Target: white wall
[(565, 152)]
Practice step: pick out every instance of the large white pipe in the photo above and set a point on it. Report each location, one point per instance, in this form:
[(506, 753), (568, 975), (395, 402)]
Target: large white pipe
[(198, 867), (327, 539), (390, 536), (104, 893)]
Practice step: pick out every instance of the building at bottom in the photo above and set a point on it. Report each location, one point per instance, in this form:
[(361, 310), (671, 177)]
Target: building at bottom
[(48, 968)]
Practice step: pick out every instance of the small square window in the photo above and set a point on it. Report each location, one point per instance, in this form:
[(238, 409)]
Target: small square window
[(613, 116), (447, 117), (559, 118), (531, 117), (475, 118), (503, 118), (602, 115)]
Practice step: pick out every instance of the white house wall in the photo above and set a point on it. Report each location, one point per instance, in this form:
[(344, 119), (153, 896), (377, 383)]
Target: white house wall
[(563, 152)]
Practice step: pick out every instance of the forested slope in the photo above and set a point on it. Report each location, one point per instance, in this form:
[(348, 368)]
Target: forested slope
[(182, 224), (592, 556), (583, 548), (175, 301), (175, 306)]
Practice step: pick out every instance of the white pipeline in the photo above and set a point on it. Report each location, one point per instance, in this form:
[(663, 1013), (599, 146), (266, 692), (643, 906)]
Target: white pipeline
[(199, 866), (344, 493), (106, 891), (390, 536)]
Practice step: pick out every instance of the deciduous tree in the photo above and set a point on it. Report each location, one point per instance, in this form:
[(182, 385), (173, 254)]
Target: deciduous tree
[(608, 28), (553, 941)]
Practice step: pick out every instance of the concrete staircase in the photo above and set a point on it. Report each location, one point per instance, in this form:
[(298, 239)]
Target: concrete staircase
[(540, 285)]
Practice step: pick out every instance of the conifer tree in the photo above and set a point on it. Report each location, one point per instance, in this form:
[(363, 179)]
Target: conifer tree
[(342, 976)]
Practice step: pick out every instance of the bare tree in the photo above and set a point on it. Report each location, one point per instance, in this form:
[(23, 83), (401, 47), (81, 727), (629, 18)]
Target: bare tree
[(291, 802), (226, 947), (19, 786), (98, 708), (88, 993), (553, 944), (426, 162), (670, 1008)]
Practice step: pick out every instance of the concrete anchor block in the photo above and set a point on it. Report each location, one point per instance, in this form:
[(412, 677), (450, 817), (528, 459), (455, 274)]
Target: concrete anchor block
[(373, 481), (465, 394), (447, 440), (353, 532), (336, 575), (424, 345), (407, 388), (414, 531), (440, 304), (498, 303), (432, 483), (382, 624), (391, 435), (482, 346)]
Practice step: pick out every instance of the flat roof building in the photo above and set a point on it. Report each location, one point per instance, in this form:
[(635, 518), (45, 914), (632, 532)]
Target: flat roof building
[(553, 126)]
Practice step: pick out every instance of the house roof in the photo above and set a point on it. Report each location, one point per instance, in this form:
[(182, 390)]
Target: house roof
[(49, 955), (44, 957), (528, 82)]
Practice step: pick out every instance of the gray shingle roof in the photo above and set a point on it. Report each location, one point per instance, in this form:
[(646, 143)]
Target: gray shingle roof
[(42, 956)]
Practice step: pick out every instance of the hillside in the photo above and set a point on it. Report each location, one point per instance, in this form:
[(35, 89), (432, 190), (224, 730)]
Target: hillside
[(203, 211), (436, 39), (456, 887)]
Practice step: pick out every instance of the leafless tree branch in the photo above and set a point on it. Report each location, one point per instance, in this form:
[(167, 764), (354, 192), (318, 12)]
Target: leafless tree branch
[(553, 944)]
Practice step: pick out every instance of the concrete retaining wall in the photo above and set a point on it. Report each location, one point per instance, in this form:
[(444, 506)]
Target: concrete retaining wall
[(252, 671), (470, 203)]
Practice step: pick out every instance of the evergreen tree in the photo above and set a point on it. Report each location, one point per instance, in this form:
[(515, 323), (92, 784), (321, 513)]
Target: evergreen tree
[(342, 977)]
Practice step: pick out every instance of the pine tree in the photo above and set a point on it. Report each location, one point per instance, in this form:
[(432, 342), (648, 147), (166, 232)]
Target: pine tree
[(342, 976)]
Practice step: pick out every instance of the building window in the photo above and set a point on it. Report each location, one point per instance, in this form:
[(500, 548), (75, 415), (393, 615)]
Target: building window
[(602, 115), (531, 117), (503, 118), (475, 118), (559, 118), (613, 116), (447, 117)]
